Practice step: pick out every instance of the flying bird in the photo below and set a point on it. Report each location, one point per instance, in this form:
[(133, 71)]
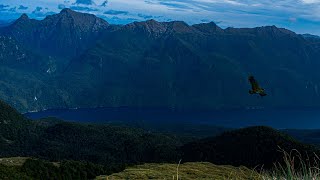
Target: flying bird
[(255, 88)]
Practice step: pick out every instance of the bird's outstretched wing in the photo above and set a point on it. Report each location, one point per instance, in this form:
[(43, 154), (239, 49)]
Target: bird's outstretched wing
[(254, 84), (255, 88)]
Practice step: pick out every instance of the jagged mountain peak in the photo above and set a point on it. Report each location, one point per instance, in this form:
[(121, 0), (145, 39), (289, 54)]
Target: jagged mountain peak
[(180, 23), (152, 21), (74, 14), (67, 10), (179, 26), (264, 31), (153, 24), (71, 17), (154, 27), (24, 17), (274, 29), (69, 13), (151, 27), (210, 27), (22, 25), (58, 35)]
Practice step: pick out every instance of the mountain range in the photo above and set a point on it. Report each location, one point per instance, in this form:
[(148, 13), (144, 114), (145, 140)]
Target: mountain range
[(73, 59)]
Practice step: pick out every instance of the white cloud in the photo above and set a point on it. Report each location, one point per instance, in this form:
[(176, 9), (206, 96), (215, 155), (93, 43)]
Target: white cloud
[(310, 1)]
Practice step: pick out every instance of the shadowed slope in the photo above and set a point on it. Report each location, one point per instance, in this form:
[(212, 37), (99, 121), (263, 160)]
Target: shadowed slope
[(251, 147)]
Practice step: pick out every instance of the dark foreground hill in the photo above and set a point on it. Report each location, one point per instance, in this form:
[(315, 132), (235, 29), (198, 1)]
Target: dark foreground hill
[(57, 140), (78, 60), (252, 147), (36, 169)]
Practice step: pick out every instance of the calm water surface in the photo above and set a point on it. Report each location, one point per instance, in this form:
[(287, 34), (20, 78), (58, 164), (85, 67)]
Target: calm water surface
[(278, 118)]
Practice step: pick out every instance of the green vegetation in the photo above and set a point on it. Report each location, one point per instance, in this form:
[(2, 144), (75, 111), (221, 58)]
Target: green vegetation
[(199, 170), (103, 144), (36, 169), (186, 132), (55, 140), (83, 151), (13, 161), (295, 168)]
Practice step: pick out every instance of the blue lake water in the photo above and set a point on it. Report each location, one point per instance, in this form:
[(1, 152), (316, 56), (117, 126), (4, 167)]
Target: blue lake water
[(278, 118)]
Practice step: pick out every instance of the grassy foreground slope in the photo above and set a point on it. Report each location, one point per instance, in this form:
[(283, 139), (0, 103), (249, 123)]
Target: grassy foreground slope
[(195, 170), (13, 161)]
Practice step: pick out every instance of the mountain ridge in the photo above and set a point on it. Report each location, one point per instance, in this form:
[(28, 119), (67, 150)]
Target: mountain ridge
[(68, 32), (88, 63)]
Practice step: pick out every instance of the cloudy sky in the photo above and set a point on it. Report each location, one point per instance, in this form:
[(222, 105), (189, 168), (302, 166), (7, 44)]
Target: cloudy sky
[(301, 16)]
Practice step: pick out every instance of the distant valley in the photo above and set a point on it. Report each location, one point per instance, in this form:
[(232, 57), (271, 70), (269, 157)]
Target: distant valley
[(72, 60)]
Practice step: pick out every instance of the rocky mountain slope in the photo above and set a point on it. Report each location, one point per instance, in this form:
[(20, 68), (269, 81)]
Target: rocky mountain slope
[(80, 60)]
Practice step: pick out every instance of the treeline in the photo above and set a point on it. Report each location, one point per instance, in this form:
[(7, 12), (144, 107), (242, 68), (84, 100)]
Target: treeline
[(35, 169), (102, 144), (116, 146)]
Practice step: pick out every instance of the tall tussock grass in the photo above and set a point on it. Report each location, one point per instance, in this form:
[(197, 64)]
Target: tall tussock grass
[(295, 166)]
